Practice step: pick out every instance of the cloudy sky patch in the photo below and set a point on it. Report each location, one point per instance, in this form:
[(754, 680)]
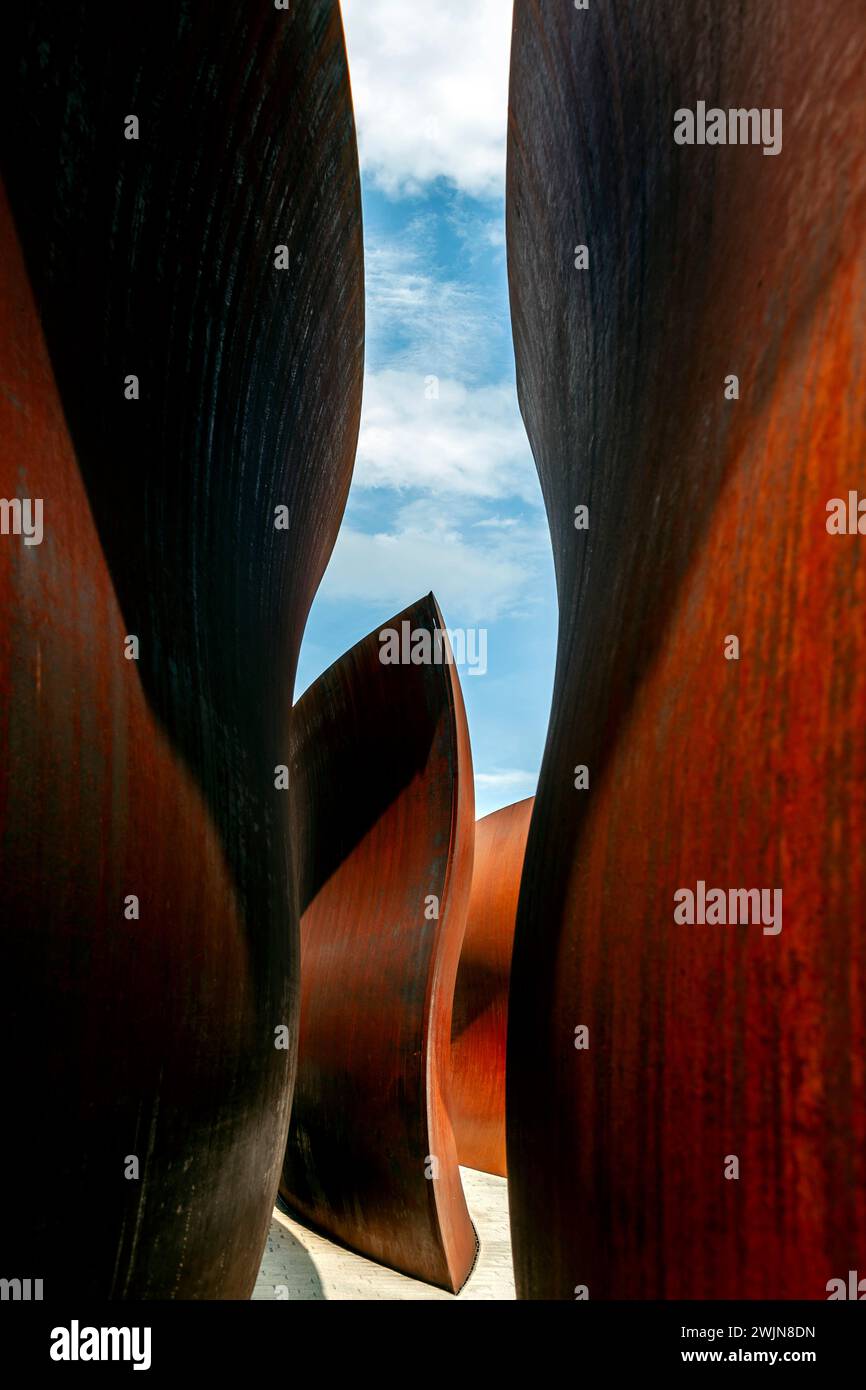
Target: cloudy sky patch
[(445, 496)]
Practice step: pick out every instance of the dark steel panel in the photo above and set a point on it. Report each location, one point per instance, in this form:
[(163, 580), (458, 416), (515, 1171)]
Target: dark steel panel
[(156, 257)]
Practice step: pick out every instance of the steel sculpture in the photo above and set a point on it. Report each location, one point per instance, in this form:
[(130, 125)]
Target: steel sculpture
[(480, 1018), (197, 271), (383, 809), (704, 1136)]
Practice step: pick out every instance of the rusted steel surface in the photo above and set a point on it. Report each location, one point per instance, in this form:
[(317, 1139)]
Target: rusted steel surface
[(480, 1018), (156, 1037), (707, 517), (383, 808)]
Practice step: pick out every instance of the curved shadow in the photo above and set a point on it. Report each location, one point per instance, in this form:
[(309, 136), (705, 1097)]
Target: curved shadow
[(288, 1272)]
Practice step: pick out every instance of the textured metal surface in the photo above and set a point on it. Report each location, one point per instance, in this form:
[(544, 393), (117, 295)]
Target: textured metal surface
[(476, 1095), (707, 518), (156, 1037), (383, 805)]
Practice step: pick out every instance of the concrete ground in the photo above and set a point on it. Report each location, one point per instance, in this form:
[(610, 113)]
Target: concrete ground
[(299, 1264)]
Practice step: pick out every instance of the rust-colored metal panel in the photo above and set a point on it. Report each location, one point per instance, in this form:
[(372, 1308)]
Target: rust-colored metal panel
[(156, 257), (480, 1019), (383, 808), (707, 519)]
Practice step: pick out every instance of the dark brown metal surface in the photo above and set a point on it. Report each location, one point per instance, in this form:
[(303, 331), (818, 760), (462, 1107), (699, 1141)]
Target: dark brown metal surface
[(707, 518), (156, 1037), (383, 825), (480, 1018)]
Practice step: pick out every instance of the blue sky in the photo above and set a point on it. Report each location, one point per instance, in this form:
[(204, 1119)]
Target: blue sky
[(445, 495)]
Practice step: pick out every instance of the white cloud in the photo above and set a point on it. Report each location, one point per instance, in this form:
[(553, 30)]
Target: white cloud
[(478, 234), (511, 778), (427, 323), (430, 87), (469, 442), (391, 569)]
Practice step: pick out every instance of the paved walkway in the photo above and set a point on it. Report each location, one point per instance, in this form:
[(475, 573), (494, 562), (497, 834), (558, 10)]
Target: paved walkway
[(298, 1264)]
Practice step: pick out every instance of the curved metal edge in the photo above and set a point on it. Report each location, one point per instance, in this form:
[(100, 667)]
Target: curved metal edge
[(480, 1017)]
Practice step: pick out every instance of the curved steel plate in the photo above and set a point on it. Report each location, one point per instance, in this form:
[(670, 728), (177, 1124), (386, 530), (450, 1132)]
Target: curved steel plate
[(156, 257), (707, 519), (480, 1018), (383, 832)]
